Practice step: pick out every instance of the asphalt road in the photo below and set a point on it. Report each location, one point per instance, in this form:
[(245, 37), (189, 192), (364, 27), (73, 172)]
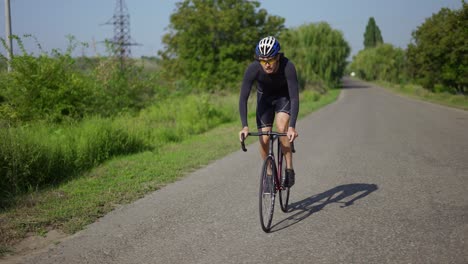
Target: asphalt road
[(380, 179)]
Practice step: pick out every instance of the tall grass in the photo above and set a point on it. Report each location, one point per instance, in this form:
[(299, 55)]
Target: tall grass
[(38, 154), (41, 154)]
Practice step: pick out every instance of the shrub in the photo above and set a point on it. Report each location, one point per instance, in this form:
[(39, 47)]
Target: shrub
[(57, 87), (44, 88)]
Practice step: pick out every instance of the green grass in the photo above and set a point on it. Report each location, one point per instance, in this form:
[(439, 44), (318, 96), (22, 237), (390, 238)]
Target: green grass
[(81, 200), (418, 92), (38, 154)]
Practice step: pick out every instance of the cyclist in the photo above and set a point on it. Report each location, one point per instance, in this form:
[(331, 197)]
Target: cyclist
[(277, 98)]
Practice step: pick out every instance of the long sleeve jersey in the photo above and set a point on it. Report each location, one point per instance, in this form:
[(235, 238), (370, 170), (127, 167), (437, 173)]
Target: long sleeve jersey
[(281, 83)]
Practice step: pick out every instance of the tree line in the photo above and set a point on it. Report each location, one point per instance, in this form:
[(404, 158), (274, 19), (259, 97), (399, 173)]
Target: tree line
[(207, 48), (436, 58), (211, 42)]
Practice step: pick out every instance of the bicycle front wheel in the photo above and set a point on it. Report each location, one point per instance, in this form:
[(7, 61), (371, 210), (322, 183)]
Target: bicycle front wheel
[(267, 193)]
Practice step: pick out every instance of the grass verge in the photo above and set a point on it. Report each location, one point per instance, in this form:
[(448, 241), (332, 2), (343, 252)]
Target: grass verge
[(418, 92), (80, 201)]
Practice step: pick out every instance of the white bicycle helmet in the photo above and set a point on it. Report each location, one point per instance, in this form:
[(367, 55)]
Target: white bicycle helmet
[(267, 47)]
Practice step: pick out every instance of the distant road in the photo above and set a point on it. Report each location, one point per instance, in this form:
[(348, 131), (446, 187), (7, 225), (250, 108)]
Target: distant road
[(380, 179)]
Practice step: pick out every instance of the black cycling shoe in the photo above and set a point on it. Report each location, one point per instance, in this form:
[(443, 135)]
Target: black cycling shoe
[(290, 178)]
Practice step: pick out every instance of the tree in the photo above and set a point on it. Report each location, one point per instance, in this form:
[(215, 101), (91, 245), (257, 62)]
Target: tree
[(383, 62), (372, 36), (210, 41), (318, 51), (438, 52)]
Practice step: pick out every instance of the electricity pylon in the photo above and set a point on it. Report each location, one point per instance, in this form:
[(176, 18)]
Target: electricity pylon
[(122, 40)]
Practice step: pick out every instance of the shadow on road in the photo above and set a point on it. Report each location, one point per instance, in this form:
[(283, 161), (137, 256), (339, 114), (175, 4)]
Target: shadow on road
[(343, 194)]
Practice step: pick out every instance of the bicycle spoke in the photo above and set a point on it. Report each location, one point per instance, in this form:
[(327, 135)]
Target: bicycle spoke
[(284, 191)]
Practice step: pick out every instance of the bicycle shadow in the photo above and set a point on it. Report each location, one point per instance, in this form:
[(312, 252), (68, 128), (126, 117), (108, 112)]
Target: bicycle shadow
[(315, 203)]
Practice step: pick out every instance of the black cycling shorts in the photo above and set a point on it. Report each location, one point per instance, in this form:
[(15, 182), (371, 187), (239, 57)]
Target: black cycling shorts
[(268, 106)]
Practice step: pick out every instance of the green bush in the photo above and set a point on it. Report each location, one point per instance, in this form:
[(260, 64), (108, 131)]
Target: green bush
[(56, 87), (123, 89), (45, 87)]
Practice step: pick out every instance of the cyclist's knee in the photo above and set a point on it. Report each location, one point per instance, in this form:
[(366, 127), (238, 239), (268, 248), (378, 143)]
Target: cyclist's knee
[(282, 122), (282, 129), (264, 141), (286, 149)]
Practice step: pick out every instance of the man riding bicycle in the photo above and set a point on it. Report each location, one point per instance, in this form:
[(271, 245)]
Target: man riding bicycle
[(277, 98)]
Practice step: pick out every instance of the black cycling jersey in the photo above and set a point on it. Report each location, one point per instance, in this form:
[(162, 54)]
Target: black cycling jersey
[(282, 83)]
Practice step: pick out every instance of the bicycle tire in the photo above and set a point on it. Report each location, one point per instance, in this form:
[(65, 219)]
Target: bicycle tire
[(284, 191), (267, 193)]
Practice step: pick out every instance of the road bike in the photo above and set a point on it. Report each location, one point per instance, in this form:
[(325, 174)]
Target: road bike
[(271, 178)]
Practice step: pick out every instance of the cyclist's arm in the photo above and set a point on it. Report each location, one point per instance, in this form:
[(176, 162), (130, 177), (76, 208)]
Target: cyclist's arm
[(246, 87), (293, 87)]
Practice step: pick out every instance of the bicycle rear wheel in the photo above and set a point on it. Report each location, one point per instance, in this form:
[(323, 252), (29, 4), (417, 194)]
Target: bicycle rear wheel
[(284, 191), (267, 193)]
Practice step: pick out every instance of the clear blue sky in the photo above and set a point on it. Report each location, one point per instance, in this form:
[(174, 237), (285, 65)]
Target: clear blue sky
[(50, 21)]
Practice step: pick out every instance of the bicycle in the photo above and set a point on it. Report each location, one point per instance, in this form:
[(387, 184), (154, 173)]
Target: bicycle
[(271, 184)]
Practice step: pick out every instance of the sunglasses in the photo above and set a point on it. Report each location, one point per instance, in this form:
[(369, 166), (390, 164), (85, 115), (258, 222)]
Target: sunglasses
[(269, 61)]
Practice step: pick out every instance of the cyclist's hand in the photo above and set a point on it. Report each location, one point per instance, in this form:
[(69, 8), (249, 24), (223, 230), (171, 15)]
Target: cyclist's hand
[(292, 134), (244, 131)]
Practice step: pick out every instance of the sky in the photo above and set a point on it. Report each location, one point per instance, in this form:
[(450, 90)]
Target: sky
[(51, 21)]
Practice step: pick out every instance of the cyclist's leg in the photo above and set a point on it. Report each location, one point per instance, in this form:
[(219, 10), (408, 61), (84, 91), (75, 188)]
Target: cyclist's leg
[(282, 124), (264, 142), (265, 117), (282, 107)]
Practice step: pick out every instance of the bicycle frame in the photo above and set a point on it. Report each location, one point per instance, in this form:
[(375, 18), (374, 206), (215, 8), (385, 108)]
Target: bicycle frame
[(272, 136)]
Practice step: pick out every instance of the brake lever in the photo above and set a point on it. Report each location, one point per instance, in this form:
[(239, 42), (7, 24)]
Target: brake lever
[(242, 143)]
